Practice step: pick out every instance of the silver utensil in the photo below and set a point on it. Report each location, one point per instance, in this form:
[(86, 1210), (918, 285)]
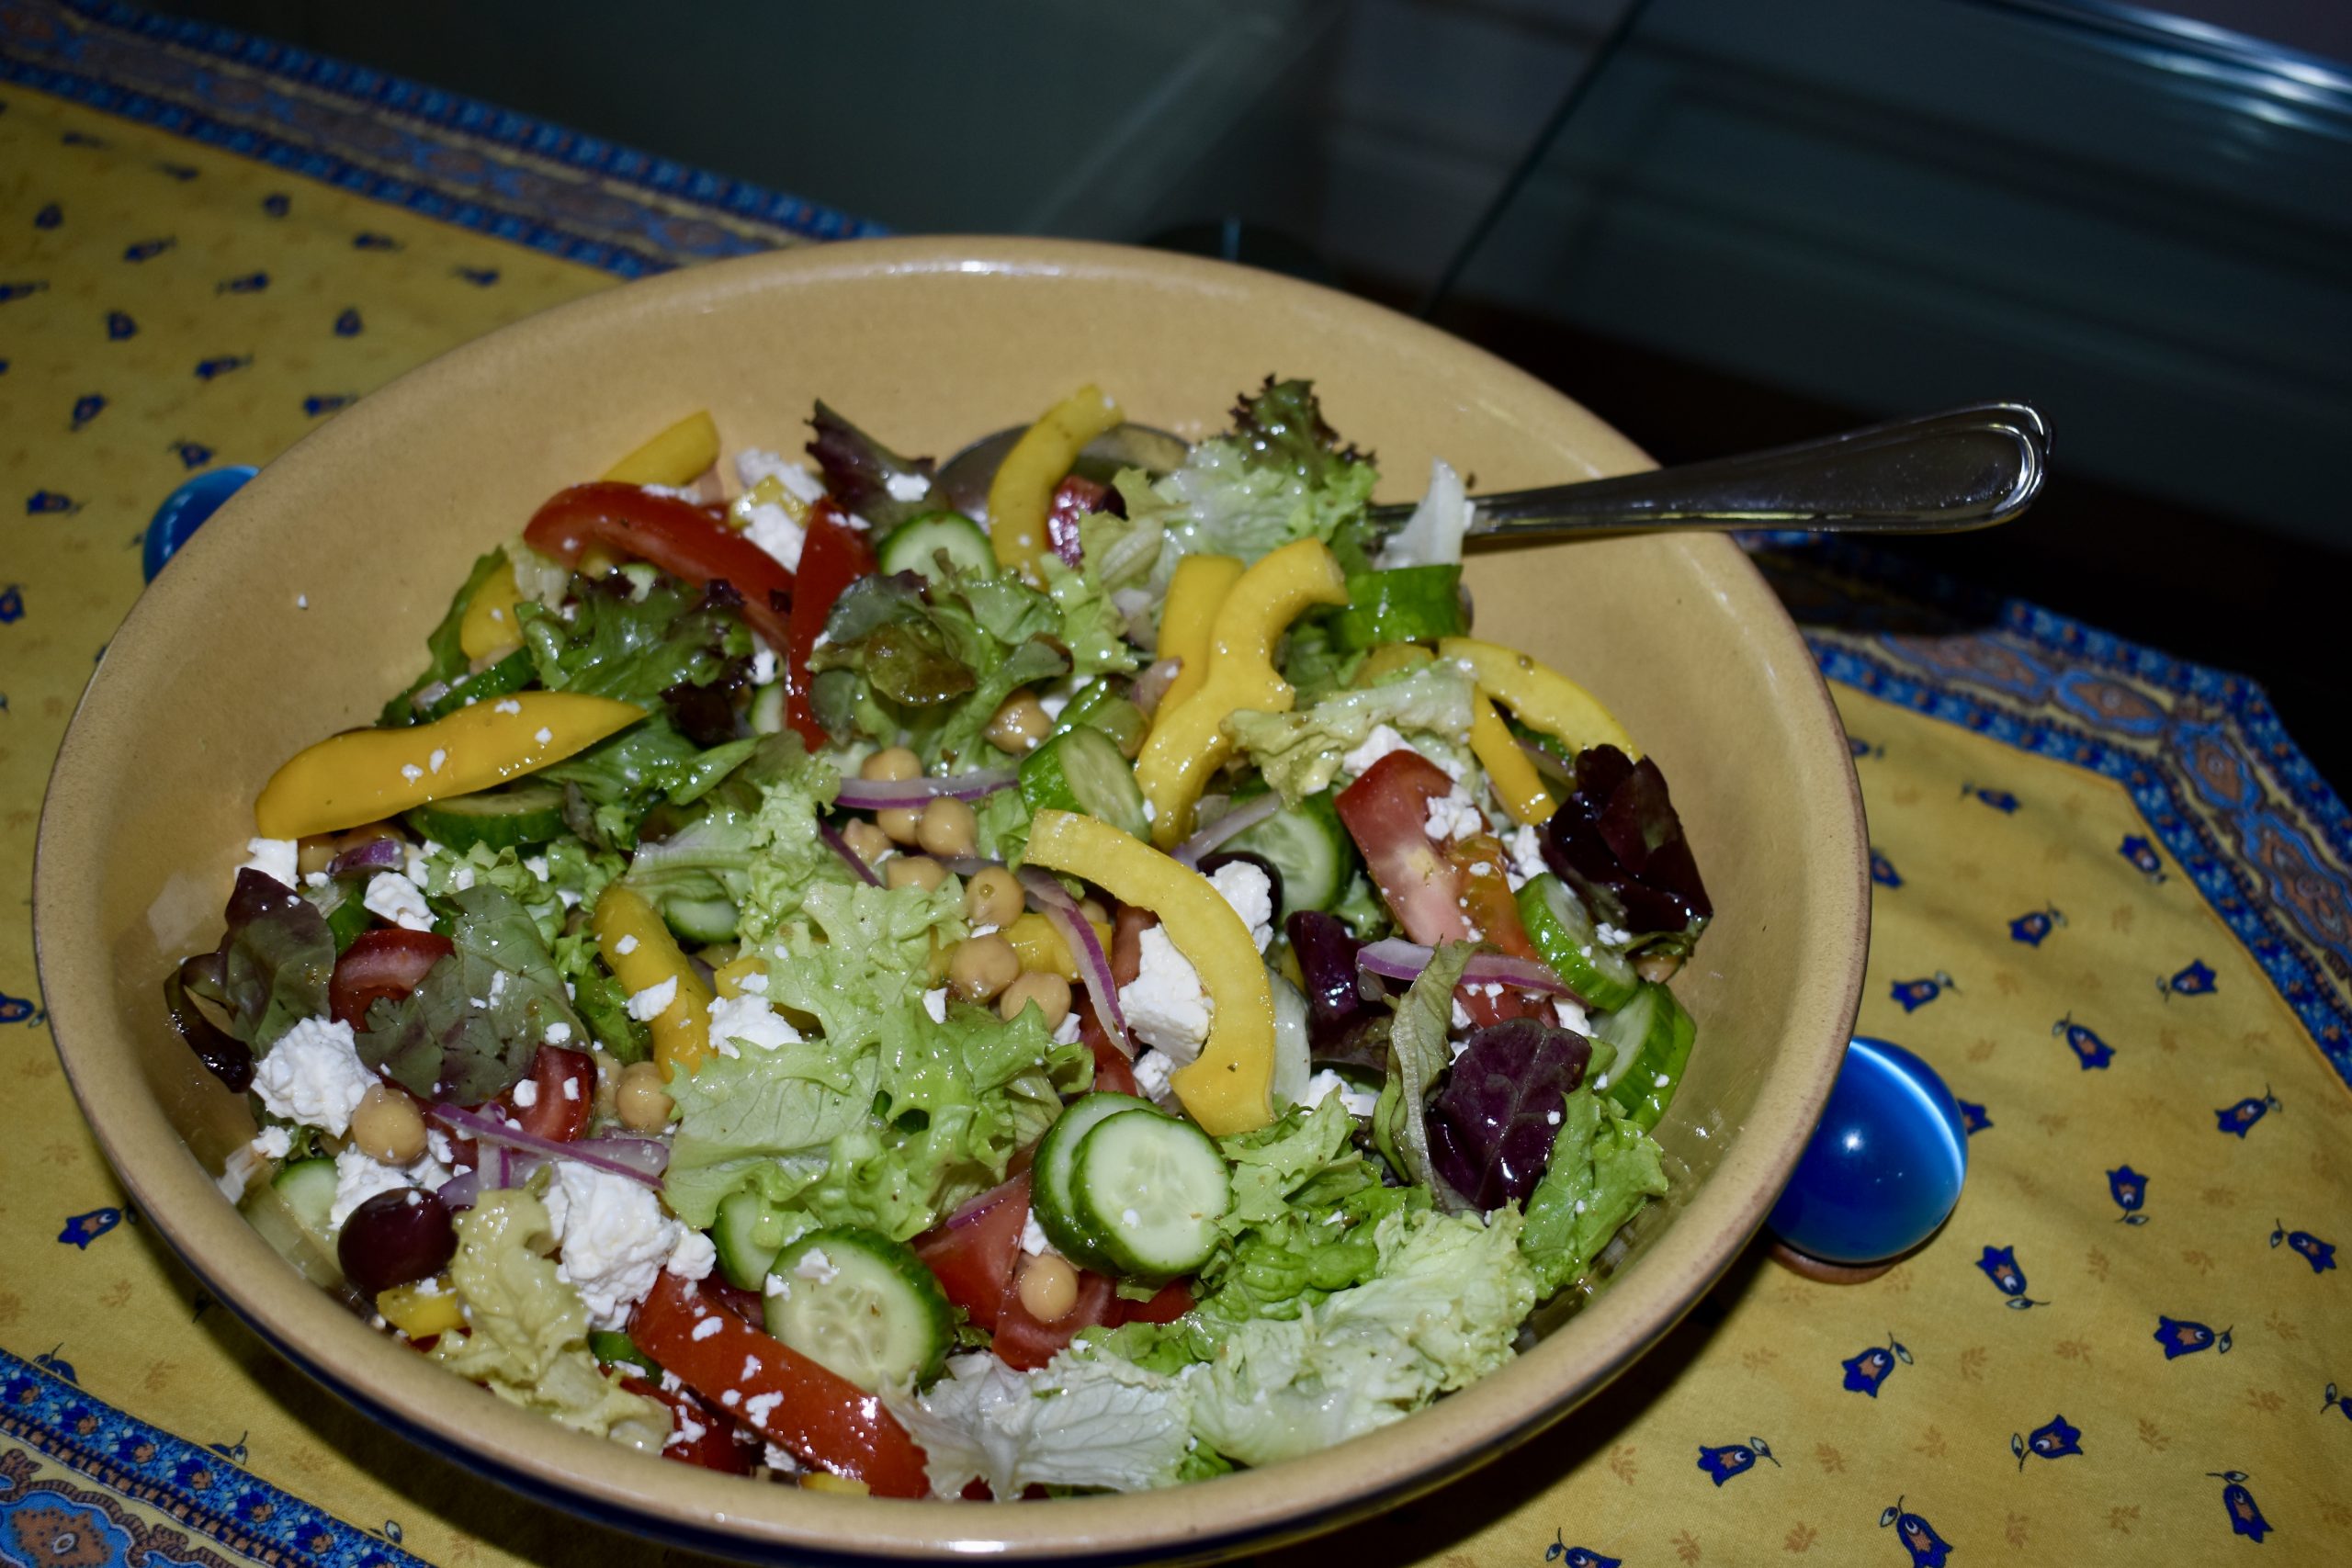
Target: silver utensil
[(1941, 473)]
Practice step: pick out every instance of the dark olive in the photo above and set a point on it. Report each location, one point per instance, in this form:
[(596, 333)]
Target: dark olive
[(394, 1238)]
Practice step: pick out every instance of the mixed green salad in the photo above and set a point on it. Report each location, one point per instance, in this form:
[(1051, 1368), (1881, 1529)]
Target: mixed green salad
[(1078, 994)]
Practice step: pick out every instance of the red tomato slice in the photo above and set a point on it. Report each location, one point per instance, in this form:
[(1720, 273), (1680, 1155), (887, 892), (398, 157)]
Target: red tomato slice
[(834, 555), (826, 1420), (563, 1094), (1175, 1299), (1023, 1343), (389, 963), (699, 1436), (975, 1251), (679, 538), (1127, 941), (1479, 861), (1112, 1073)]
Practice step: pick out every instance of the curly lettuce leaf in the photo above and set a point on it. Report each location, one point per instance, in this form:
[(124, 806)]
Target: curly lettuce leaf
[(1086, 1421), (1432, 535), (1090, 626), (468, 1032), (444, 647), (1417, 1055), (632, 642), (549, 882), (1604, 1169), (1300, 752), (611, 786)]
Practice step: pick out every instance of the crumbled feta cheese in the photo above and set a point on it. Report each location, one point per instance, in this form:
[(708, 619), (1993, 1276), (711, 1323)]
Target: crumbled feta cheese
[(749, 1020), (781, 1461), (771, 527), (1150, 811), (301, 601), (752, 466), (558, 1032), (278, 858), (273, 1143), (433, 763), (1245, 887), (411, 771), (672, 491), (507, 705), (705, 1328), (317, 879), (1152, 1070), (1455, 814), (1571, 1014), (760, 1406), (460, 878), (694, 1258), (394, 898), (934, 1002), (1610, 936), (613, 1238), (237, 1172), (357, 1180), (526, 1094), (755, 982), (907, 487), (1526, 846), (763, 665), (1165, 1005), (1378, 744), (1066, 1033), (1461, 1015), (627, 946), (1327, 1083), (1551, 1118), (546, 737), (1033, 1237), (984, 931), (313, 1076), (1130, 1219), (815, 1267), (650, 1003)]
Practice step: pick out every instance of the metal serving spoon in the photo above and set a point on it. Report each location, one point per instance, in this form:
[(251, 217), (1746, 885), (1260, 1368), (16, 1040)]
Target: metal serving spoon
[(1941, 473)]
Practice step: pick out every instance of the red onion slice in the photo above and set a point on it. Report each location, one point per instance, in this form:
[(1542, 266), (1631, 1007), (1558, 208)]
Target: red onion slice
[(1153, 683), (1233, 824), (459, 1191), (638, 1160), (840, 846), (1052, 901), (1399, 960), (376, 854), (879, 794)]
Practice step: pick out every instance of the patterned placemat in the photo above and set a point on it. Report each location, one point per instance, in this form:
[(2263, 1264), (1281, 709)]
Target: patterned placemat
[(2112, 907)]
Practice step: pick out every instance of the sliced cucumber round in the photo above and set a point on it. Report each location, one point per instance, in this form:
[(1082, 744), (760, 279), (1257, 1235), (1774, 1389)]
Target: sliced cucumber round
[(618, 1349), (1049, 1173), (1081, 769), (915, 546), (290, 1214), (308, 1185), (1561, 929), (1653, 1034), (1151, 1190), (747, 1232), (703, 920), (861, 1304), (515, 817), (1307, 844)]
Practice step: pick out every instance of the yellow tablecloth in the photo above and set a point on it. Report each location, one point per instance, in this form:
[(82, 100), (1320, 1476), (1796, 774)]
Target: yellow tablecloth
[(2106, 887)]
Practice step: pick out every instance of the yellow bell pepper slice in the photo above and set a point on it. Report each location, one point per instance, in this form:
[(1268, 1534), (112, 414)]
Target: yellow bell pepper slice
[(1189, 618), (1520, 787), (1024, 486), (825, 1481), (641, 954), (1228, 1087), (419, 1315), (489, 629), (1541, 698), (730, 976), (365, 776), (1187, 744), (1039, 946), (1387, 659), (676, 457)]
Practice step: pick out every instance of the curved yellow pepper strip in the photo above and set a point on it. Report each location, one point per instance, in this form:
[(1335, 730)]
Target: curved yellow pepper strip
[(418, 1315), (1389, 659), (1228, 1088), (641, 954), (1189, 617), (1521, 788), (489, 629), (676, 457), (365, 776), (1024, 486), (1039, 946), (1539, 698), (1189, 743)]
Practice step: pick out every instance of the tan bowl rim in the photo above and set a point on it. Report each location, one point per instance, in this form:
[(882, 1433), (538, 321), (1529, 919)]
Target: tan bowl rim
[(1251, 1507)]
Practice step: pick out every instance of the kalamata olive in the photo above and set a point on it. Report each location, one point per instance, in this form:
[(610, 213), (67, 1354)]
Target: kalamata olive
[(394, 1238)]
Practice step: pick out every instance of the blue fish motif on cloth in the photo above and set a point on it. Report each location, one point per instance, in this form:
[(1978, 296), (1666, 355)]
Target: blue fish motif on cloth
[(277, 204), (2338, 1402), (1927, 1549), (2089, 1050), (2239, 1119), (15, 1009), (2033, 930), (1866, 1371), (369, 241), (2000, 1266), (147, 250), (1974, 1117), (2055, 1439), (9, 291), (49, 504), (87, 407), (81, 1230), (58, 1365), (191, 453), (12, 609), (2130, 1191), (49, 217), (180, 172), (479, 276), (2196, 980), (120, 325), (1883, 871), (2180, 1337), (348, 324), (1733, 1459), (2246, 1518), (2142, 856), (2000, 800), (1916, 994), (318, 403), (207, 369), (1568, 1556), (1861, 747), (250, 283), (2320, 1255)]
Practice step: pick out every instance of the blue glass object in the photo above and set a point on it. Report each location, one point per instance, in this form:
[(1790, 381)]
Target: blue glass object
[(185, 510), (1885, 1165)]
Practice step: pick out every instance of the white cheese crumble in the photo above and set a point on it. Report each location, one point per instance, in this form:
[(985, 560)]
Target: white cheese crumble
[(650, 1003), (526, 1094), (278, 858), (1526, 847), (1571, 1014), (506, 705), (760, 1406), (1383, 739), (1066, 1033), (1455, 814), (1610, 936), (752, 465), (907, 487), (558, 1032), (763, 664), (358, 1177), (411, 771), (771, 527), (313, 1076), (273, 1143), (1327, 1083), (433, 763), (394, 898), (1245, 887), (934, 1002), (815, 1267), (707, 1328), (546, 737), (694, 1258), (626, 946), (614, 1235), (1033, 1237), (749, 1020), (1165, 1004), (1152, 1070)]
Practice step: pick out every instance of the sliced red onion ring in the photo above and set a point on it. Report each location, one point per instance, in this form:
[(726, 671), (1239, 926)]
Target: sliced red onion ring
[(1153, 683), (1399, 960), (460, 1191), (1234, 823), (640, 1159), (1547, 762), (1061, 911), (376, 854), (840, 846), (879, 794)]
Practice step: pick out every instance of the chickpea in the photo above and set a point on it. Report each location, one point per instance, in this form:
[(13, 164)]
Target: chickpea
[(993, 897), (866, 841), (914, 871), (947, 828), (1048, 990), (981, 967), (1021, 725), (901, 823), (643, 1097), (313, 854), (1048, 1287), (608, 1083), (1657, 967), (387, 1126), (890, 765)]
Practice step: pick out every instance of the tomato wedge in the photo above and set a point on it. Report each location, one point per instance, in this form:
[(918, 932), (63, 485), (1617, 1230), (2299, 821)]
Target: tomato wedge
[(562, 1096), (679, 538), (699, 1436), (389, 963), (1175, 1299), (824, 1419), (834, 555), (1112, 1072), (975, 1251), (1024, 1344)]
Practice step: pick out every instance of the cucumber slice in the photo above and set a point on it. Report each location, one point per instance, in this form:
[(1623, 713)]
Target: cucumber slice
[(1049, 1173), (863, 1305), (1412, 603), (1150, 1190), (346, 916), (702, 920), (1101, 706), (747, 1234), (504, 679), (512, 816), (1307, 843), (290, 1214), (1653, 1034), (308, 1185), (915, 546), (767, 709), (1561, 928), (616, 1349), (1082, 770)]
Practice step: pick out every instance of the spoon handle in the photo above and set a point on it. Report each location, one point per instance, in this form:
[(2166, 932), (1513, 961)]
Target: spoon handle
[(1968, 467)]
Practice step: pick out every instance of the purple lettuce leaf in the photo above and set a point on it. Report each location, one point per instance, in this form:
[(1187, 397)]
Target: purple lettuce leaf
[(1492, 1126), (273, 965), (858, 471), (1617, 840)]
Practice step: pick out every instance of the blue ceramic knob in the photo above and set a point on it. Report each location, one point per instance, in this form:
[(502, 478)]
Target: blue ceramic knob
[(185, 510), (1884, 1167)]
